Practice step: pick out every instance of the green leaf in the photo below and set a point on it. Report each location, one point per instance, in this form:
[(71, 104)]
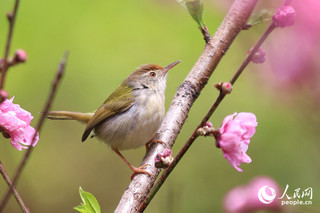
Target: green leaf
[(81, 209), (195, 9), (261, 16), (90, 203)]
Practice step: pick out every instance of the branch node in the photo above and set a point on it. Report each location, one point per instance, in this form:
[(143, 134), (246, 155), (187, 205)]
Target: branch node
[(205, 32)]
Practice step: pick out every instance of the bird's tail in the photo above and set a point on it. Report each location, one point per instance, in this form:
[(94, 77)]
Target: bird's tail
[(67, 115)]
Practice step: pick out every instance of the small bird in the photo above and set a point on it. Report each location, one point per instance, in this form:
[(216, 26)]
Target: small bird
[(131, 115)]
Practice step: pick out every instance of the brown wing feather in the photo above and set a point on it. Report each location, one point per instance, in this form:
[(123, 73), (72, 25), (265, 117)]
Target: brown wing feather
[(119, 101)]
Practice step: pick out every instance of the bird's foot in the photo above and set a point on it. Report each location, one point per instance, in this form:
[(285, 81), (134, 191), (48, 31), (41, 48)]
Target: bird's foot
[(139, 170), (153, 140)]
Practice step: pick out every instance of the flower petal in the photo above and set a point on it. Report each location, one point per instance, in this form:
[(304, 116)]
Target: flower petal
[(15, 121), (235, 134)]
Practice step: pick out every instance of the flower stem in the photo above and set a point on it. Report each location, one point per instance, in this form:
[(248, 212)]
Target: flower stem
[(38, 128), (11, 18), (194, 135), (15, 192), (248, 58)]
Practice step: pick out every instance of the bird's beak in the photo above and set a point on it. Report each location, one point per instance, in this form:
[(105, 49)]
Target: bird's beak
[(167, 68)]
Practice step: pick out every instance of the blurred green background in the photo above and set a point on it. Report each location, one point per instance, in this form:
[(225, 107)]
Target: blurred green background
[(107, 40)]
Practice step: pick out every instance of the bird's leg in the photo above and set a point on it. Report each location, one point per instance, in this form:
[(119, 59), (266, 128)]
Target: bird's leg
[(153, 140), (139, 170)]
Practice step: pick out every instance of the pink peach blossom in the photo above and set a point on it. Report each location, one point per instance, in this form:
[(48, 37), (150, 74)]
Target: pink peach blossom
[(15, 124), (235, 133), (293, 63), (245, 198)]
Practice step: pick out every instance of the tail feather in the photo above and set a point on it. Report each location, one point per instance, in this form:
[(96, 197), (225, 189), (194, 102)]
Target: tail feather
[(67, 115)]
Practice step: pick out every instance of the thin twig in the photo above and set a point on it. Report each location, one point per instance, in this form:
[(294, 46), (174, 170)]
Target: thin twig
[(205, 32), (247, 60), (194, 135), (11, 18), (38, 128), (186, 95), (15, 192)]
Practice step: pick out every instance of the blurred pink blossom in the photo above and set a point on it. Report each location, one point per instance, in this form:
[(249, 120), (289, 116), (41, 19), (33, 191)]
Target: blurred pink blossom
[(235, 133), (246, 198), (293, 54), (15, 124), (284, 16)]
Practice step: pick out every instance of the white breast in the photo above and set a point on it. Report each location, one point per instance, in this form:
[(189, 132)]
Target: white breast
[(138, 125)]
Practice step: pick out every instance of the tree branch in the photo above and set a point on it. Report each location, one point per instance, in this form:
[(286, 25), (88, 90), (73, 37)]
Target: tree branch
[(186, 95), (11, 18), (38, 128), (15, 192)]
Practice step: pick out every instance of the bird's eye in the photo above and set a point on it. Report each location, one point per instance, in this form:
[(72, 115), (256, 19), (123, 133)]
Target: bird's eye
[(152, 74)]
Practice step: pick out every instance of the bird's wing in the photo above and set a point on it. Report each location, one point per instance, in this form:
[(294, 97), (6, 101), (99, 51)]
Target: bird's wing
[(119, 101)]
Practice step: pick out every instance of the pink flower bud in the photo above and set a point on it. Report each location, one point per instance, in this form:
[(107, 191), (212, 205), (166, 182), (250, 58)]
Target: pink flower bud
[(284, 16), (163, 159), (206, 130), (209, 124), (9, 16), (20, 56), (226, 87), (259, 194), (259, 56), (15, 124), (3, 95), (218, 85), (235, 133)]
